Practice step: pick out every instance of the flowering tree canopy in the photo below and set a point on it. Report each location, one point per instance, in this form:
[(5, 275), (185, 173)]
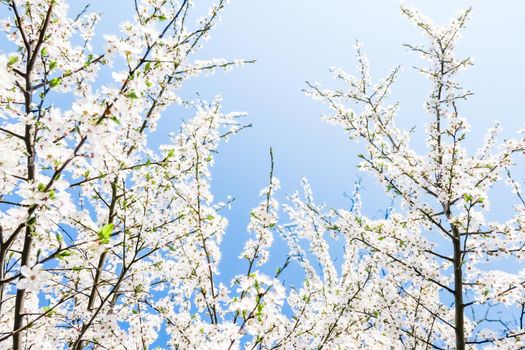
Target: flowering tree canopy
[(438, 249), (107, 243)]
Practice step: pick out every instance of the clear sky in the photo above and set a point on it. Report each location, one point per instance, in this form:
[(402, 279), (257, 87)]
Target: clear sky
[(298, 40)]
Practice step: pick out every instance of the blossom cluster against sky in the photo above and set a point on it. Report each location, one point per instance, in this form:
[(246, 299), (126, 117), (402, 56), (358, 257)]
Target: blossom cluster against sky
[(298, 40), (295, 41)]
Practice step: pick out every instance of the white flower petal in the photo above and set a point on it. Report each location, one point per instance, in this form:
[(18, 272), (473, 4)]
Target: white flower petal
[(22, 283), (25, 271)]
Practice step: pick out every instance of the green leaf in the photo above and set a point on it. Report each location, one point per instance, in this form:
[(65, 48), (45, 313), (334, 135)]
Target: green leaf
[(53, 65), (114, 119), (49, 311), (12, 60), (41, 187), (31, 221), (63, 254), (43, 52), (105, 233), (162, 18), (133, 95), (55, 82)]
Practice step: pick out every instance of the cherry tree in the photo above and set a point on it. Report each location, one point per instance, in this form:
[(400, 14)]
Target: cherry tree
[(93, 222), (440, 246), (108, 243)]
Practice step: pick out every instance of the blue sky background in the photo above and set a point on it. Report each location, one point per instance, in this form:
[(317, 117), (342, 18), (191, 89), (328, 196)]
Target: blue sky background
[(298, 40)]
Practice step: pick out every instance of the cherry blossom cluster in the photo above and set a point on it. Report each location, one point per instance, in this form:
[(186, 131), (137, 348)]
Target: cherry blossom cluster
[(442, 235)]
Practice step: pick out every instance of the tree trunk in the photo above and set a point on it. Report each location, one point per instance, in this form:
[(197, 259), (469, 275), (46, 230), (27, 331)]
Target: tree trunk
[(459, 321)]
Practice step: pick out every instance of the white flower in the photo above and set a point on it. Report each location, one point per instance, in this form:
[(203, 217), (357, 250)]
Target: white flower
[(8, 160), (32, 278), (5, 78)]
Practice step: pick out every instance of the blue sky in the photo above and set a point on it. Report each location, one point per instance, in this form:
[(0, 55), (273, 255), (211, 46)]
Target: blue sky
[(298, 40)]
